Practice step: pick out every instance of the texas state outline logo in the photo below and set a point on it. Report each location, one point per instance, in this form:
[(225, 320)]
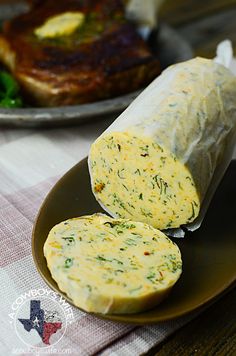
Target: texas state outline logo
[(45, 322), (40, 317)]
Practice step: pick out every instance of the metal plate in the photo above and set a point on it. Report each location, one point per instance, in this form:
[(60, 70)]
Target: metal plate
[(170, 47)]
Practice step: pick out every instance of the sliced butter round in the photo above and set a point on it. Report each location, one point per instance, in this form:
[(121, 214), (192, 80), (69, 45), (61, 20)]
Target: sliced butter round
[(110, 265), (133, 177)]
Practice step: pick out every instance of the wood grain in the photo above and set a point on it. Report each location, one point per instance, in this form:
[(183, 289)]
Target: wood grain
[(204, 34), (213, 333), (182, 11)]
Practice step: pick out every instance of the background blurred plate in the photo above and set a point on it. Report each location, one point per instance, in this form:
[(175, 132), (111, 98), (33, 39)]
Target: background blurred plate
[(208, 253), (170, 48)]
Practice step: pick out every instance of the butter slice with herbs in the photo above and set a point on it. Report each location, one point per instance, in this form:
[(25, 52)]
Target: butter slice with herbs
[(63, 24), (110, 265), (155, 162), (136, 178)]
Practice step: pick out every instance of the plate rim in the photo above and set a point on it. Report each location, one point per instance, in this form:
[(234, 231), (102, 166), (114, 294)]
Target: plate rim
[(116, 317)]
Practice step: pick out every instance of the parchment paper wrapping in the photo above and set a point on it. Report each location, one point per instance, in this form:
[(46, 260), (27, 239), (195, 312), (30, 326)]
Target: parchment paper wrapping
[(224, 56), (191, 111)]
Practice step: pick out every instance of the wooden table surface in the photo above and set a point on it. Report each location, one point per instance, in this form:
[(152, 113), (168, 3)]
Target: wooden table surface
[(212, 333), (204, 23)]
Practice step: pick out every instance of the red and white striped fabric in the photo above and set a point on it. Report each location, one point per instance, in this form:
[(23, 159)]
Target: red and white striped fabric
[(30, 163)]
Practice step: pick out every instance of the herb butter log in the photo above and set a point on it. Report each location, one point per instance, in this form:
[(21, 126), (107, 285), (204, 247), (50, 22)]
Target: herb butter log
[(112, 266), (155, 162)]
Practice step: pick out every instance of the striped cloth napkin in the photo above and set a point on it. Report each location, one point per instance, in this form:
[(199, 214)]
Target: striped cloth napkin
[(31, 161)]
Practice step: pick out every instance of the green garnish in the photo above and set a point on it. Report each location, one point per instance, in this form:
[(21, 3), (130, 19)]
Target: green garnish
[(68, 262), (9, 91), (70, 240), (135, 289), (101, 258)]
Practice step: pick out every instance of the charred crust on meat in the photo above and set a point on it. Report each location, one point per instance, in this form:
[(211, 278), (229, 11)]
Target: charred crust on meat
[(94, 63)]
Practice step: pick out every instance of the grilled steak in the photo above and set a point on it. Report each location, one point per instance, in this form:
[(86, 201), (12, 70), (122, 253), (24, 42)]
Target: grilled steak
[(104, 57)]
